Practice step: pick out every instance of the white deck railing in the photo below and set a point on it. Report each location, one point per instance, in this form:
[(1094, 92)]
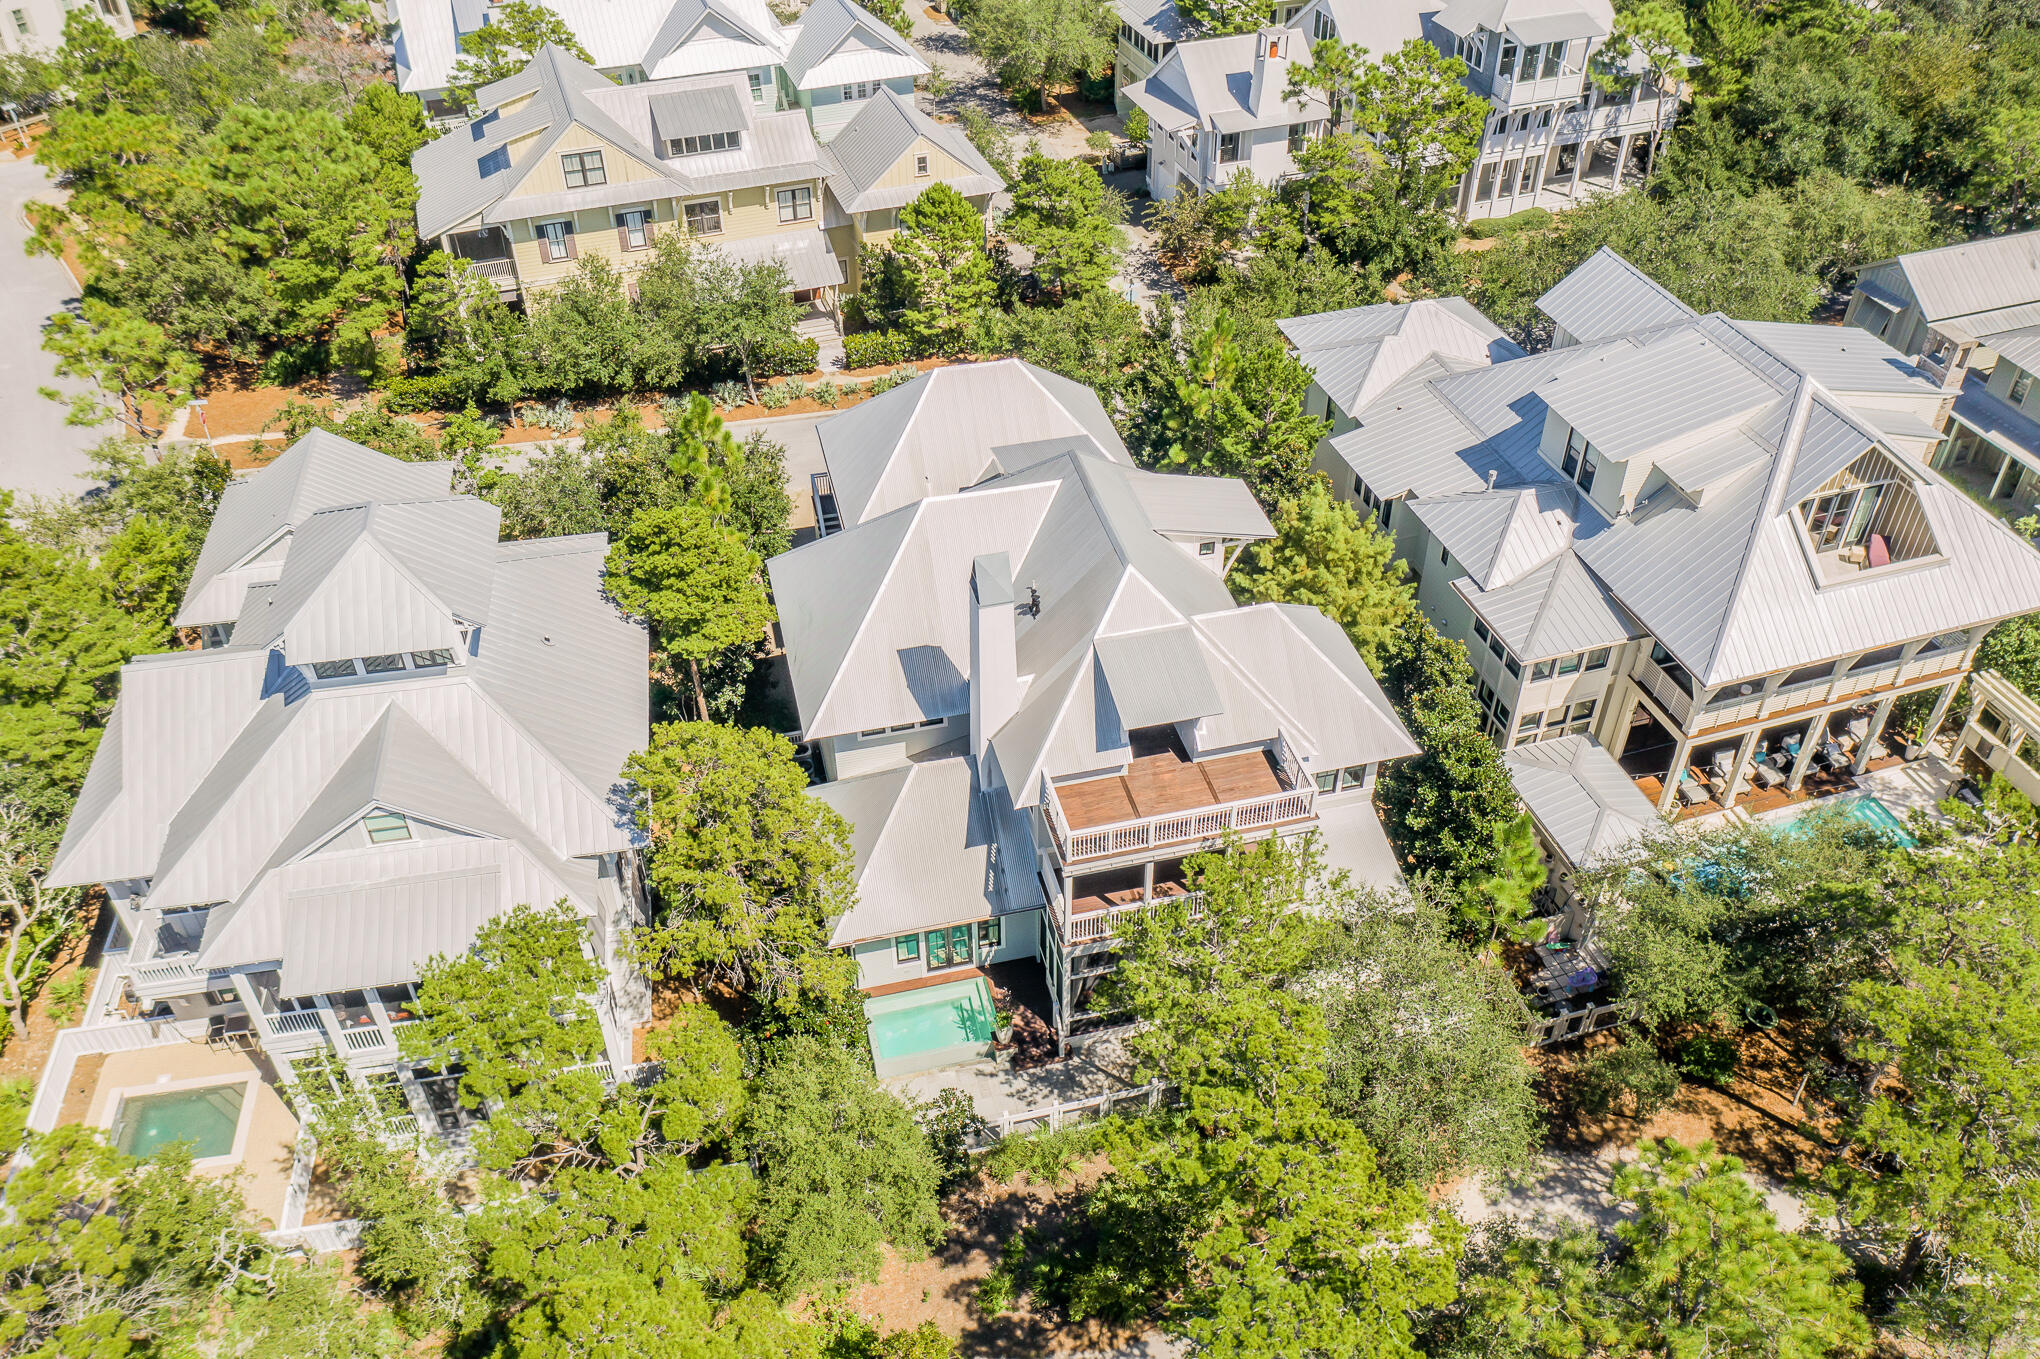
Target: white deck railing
[(1172, 828), (1056, 1117)]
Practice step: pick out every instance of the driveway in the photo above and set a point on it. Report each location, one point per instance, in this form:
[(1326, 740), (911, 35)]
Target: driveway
[(39, 452), (945, 47)]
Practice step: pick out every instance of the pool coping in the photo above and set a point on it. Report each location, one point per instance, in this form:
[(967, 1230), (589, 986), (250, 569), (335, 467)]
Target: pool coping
[(243, 1121), (948, 1055)]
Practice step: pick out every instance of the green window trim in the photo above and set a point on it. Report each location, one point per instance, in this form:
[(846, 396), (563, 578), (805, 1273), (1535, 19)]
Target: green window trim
[(906, 948)]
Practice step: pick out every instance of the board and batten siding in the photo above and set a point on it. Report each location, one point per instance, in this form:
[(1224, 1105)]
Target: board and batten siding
[(827, 110), (745, 213)]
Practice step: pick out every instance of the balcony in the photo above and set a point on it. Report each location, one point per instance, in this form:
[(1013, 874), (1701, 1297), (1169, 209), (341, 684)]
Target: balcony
[(1163, 801)]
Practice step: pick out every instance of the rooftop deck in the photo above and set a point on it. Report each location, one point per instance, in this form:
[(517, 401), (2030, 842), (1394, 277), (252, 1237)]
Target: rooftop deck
[(1164, 799)]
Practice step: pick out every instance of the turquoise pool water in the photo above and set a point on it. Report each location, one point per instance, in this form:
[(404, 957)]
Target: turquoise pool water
[(934, 1026), (1868, 810), (206, 1118)]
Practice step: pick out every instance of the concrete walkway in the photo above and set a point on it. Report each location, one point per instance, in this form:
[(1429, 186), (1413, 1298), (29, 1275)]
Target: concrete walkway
[(1572, 1188), (39, 453)]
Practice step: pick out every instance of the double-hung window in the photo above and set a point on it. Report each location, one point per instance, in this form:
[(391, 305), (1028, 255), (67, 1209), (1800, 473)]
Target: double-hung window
[(796, 205), (906, 948), (634, 229), (757, 87), (1298, 134), (556, 241), (1578, 462), (2021, 385), (1554, 59), (583, 169), (1322, 27), (859, 89), (920, 167), (705, 218), (1510, 51), (1228, 147)]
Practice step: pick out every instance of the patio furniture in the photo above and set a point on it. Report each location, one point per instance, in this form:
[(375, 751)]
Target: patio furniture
[(1832, 756), (1766, 775), (1692, 791), (1880, 551)]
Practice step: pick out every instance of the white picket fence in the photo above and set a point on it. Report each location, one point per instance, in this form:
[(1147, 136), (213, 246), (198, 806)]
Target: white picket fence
[(1056, 1117)]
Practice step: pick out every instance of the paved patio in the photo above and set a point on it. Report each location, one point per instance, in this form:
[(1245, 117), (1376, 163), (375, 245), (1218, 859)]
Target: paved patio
[(1101, 1066)]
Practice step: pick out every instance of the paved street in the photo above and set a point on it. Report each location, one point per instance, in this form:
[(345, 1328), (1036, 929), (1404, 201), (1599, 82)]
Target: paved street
[(38, 451), (803, 460)]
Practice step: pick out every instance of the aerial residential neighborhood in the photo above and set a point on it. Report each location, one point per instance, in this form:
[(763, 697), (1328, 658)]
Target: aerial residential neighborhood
[(833, 680)]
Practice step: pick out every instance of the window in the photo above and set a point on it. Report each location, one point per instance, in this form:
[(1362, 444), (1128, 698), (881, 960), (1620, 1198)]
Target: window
[(707, 142), (989, 934), (1542, 670), (1444, 557), (1512, 665), (934, 722), (1206, 549), (796, 205), (1529, 722), (1510, 51), (906, 948), (1544, 117), (1841, 518), (757, 87), (1578, 460), (948, 948), (1494, 644), (1554, 58), (704, 219), (634, 229), (2021, 385), (920, 167), (1597, 659), (1353, 776), (1568, 665), (438, 656), (1480, 630), (556, 241), (333, 669), (386, 827), (21, 24), (1328, 781), (1527, 68), (397, 1002), (1228, 147), (1382, 508), (382, 665), (1298, 132), (583, 169), (875, 731), (859, 89), (1321, 27), (1582, 715)]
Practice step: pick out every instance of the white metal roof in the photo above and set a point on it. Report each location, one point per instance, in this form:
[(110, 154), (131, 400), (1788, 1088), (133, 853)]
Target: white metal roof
[(1606, 296), (1357, 354), (1974, 276), (1587, 806)]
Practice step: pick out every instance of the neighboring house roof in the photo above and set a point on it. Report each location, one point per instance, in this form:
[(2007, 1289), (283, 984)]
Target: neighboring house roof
[(473, 176), (1738, 427), (1844, 359), (226, 775), (1380, 28), (1995, 418), (1608, 296), (1131, 626), (2021, 348), (1586, 804), (1501, 535), (662, 37), (838, 41), (1210, 83), (946, 430), (929, 850), (872, 144), (1356, 354), (1975, 276)]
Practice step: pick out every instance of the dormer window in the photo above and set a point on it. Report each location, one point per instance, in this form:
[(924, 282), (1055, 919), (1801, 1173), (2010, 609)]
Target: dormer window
[(436, 656), (333, 669), (1579, 461), (383, 665), (706, 143), (386, 827)]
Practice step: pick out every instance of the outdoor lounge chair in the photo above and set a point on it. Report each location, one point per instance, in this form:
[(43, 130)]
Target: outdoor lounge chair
[(1692, 792), (1832, 755), (1766, 774)]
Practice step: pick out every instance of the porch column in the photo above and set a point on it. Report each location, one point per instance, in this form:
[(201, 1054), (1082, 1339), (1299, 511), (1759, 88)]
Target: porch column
[(1997, 487), (1622, 156), (1147, 882), (1579, 164), (251, 1001), (1876, 730), (1940, 710), (1669, 796), (1537, 176), (1741, 768), (1815, 729)]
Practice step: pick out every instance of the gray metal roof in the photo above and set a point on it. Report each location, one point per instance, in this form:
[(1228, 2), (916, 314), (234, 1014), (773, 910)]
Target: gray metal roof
[(827, 25), (1632, 399), (883, 130), (936, 434), (706, 108), (1559, 609), (1209, 83), (1199, 506), (1587, 807), (1562, 18), (1356, 354), (1501, 534), (2019, 347), (1996, 419), (1841, 358), (1159, 19), (1157, 676), (1974, 276), (1607, 296)]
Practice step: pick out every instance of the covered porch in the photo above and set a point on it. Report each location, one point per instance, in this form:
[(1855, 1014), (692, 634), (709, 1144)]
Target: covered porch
[(1992, 452)]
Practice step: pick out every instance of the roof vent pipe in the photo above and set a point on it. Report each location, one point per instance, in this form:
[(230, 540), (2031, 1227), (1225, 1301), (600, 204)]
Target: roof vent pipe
[(1493, 472)]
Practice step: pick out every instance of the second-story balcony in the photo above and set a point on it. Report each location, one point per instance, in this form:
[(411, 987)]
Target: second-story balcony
[(1165, 800)]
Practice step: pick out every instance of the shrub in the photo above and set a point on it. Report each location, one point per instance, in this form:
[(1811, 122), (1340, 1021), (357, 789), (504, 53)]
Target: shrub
[(871, 348), (795, 388), (557, 417), (1529, 219), (774, 397), (1137, 124), (425, 392), (951, 1123), (1709, 1057), (1049, 1157), (796, 355), (1632, 1070), (826, 392), (730, 395), (65, 998)]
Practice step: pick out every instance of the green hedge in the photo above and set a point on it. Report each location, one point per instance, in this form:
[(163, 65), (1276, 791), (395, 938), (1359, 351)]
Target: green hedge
[(425, 392), (795, 356), (871, 348), (1529, 219)]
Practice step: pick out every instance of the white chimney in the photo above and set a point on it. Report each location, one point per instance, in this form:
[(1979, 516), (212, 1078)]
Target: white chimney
[(994, 674), (1270, 44)]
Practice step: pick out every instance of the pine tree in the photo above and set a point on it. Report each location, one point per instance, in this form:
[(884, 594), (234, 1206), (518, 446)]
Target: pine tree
[(947, 274), (1323, 555)]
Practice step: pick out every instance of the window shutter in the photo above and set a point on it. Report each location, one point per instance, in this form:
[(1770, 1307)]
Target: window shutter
[(623, 233), (571, 254)]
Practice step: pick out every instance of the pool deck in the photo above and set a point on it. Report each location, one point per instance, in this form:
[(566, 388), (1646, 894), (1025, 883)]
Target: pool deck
[(1903, 787), (1100, 1066), (263, 1162)]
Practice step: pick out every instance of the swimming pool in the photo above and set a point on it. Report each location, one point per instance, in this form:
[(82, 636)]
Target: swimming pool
[(930, 1027), (206, 1118), (1865, 808)]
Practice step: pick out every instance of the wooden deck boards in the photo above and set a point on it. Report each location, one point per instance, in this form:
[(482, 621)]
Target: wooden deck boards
[(1159, 784)]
